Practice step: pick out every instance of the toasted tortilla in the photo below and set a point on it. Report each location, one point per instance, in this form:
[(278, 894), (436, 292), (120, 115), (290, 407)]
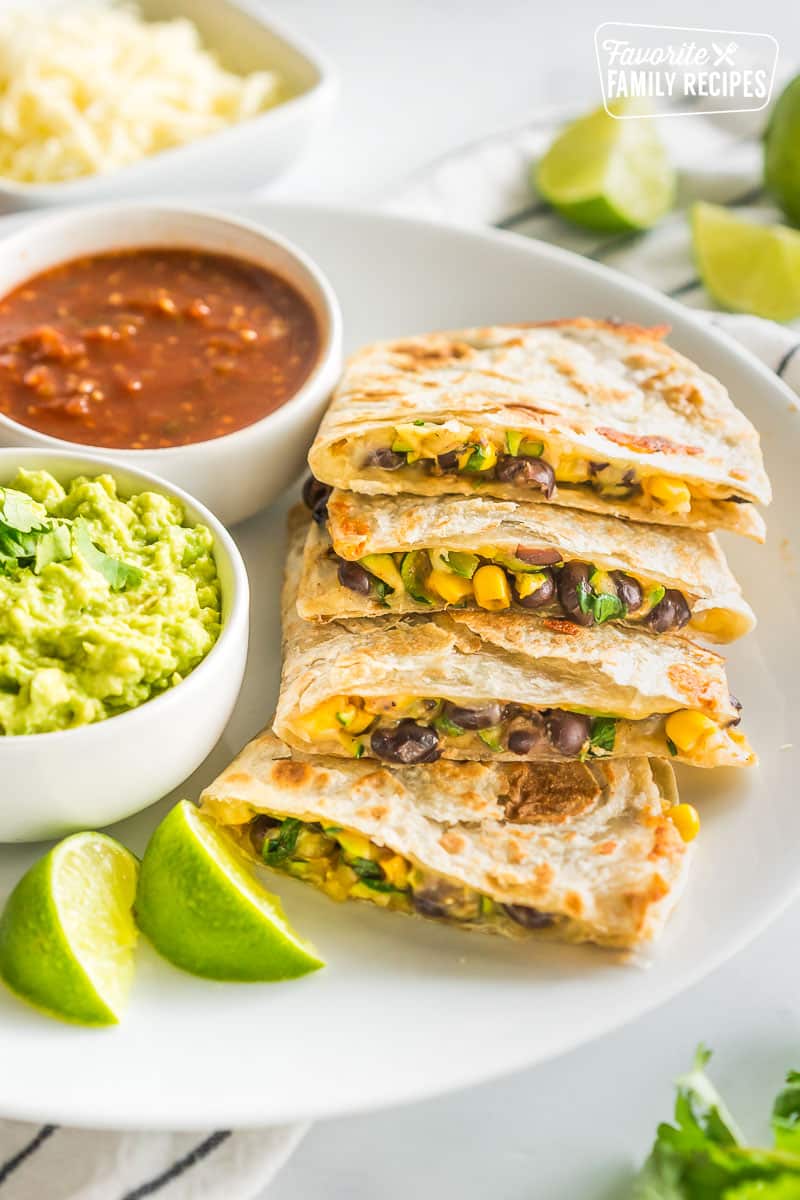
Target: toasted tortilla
[(590, 846), (472, 658), (606, 392), (686, 559)]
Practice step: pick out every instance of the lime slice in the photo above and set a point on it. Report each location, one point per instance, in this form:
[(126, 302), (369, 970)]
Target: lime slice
[(67, 932), (608, 174), (746, 267), (203, 908), (781, 156)]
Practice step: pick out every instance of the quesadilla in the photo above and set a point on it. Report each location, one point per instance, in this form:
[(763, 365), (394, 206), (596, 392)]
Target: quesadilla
[(582, 852), (589, 414), (478, 685), (404, 554)]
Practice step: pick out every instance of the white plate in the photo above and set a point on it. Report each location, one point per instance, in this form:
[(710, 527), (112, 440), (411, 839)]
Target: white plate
[(406, 1009)]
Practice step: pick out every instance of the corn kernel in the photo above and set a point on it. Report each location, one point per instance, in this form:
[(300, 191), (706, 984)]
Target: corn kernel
[(360, 891), (491, 588), (673, 494), (323, 719), (354, 718), (572, 470), (688, 728), (686, 820), (528, 582), (355, 845), (451, 587), (351, 743), (716, 623), (396, 870)]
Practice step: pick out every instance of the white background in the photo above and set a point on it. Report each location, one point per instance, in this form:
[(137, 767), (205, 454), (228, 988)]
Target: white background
[(417, 79)]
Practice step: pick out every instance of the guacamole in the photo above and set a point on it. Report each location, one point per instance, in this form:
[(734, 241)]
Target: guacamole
[(104, 602)]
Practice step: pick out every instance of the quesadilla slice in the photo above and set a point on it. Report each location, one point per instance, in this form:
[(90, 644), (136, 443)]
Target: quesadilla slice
[(404, 554), (582, 852), (589, 414), (477, 685)]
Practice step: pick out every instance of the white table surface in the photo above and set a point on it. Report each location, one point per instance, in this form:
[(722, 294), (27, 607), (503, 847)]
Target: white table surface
[(418, 77)]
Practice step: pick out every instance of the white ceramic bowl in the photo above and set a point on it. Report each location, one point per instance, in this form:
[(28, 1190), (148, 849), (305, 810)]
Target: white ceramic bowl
[(242, 156), (84, 778), (241, 473)]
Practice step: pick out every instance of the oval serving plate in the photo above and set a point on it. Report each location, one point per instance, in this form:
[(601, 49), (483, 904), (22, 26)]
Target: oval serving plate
[(404, 1010)]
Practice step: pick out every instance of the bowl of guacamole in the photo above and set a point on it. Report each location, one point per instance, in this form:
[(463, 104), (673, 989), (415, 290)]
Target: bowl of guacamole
[(123, 635)]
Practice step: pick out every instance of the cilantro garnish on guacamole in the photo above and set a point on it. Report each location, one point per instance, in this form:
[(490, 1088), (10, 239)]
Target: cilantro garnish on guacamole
[(104, 601)]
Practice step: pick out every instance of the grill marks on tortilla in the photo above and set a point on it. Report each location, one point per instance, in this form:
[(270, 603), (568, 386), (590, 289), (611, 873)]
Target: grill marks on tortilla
[(549, 793), (433, 353), (646, 443), (289, 773)]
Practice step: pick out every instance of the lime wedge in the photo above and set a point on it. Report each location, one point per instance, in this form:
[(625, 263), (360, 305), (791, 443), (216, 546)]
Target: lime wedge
[(608, 174), (203, 908), (781, 151), (746, 267), (67, 932)]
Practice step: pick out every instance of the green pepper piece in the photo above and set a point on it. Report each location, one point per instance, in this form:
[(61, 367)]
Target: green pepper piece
[(414, 570), (462, 563), (528, 448), (382, 566), (448, 727), (513, 441), (491, 738)]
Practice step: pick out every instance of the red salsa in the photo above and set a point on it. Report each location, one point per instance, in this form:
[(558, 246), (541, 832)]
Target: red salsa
[(149, 348)]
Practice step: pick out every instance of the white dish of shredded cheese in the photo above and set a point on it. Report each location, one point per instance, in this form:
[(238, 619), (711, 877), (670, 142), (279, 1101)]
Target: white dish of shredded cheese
[(91, 86)]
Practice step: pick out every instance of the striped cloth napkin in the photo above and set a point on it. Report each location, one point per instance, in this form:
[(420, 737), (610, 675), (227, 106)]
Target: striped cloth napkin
[(49, 1162), (485, 183)]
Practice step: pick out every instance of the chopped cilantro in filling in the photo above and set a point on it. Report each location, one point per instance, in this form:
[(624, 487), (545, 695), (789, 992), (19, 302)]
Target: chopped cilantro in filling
[(346, 865)]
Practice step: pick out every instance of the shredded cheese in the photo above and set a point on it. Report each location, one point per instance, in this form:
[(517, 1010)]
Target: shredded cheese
[(88, 87)]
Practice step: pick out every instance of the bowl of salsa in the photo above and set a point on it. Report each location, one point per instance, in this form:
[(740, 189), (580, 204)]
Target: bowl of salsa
[(187, 343)]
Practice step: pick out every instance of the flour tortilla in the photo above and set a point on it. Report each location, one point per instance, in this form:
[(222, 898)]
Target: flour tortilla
[(475, 657), (590, 845), (604, 391), (686, 559)]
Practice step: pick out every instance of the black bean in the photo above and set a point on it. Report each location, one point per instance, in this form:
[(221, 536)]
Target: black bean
[(568, 731), (595, 468), (628, 590), (526, 472), (538, 556), (542, 596), (531, 918), (406, 742), (527, 737), (737, 704), (448, 461), (385, 458), (353, 576), (428, 906), (315, 497), (737, 500), (260, 828), (671, 612), (570, 575), (438, 898), (481, 717)]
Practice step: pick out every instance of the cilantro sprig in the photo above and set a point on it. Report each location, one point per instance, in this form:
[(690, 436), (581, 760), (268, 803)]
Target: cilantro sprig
[(704, 1155), (30, 538), (602, 605)]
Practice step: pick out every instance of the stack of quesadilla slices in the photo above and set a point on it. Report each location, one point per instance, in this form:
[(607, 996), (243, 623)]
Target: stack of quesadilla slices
[(489, 624)]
